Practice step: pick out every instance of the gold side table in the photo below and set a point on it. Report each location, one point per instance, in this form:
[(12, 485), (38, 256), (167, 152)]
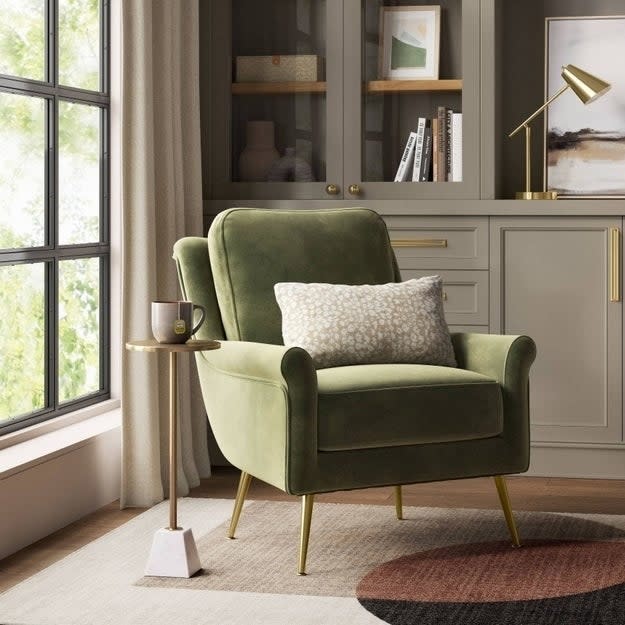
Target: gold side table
[(173, 553)]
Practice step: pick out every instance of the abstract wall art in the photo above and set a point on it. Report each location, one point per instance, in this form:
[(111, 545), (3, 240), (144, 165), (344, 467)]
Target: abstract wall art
[(585, 145)]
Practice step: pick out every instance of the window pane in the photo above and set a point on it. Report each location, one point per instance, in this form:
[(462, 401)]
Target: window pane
[(22, 343), (22, 38), (79, 173), (79, 43), (22, 170), (79, 328)]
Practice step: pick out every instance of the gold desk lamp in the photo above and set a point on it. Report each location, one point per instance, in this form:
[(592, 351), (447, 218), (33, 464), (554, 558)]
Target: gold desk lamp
[(587, 88)]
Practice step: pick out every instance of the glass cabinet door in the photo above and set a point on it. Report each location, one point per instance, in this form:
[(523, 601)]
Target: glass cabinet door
[(412, 91), (277, 69)]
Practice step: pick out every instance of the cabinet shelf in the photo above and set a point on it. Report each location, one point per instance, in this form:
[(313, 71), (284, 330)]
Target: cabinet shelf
[(396, 86), (268, 88), (374, 86)]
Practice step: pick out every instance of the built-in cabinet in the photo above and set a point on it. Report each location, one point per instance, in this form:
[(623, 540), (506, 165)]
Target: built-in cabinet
[(550, 269), (348, 125)]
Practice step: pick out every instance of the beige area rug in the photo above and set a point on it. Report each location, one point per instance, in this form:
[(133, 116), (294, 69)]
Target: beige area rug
[(348, 541), (439, 566)]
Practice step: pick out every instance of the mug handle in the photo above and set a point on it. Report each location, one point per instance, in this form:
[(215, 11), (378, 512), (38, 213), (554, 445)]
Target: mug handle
[(201, 321)]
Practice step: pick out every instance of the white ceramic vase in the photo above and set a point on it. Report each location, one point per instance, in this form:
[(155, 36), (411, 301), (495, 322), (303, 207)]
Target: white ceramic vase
[(290, 168), (259, 153)]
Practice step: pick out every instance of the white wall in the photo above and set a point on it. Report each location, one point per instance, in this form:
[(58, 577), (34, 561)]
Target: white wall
[(43, 498)]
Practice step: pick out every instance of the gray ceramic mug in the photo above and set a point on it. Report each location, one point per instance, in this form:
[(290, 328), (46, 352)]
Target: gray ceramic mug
[(172, 322)]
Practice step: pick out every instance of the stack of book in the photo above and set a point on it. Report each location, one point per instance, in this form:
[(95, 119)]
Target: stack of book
[(433, 150)]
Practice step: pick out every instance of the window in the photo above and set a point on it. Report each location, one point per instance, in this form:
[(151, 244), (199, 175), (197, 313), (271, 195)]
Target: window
[(54, 208)]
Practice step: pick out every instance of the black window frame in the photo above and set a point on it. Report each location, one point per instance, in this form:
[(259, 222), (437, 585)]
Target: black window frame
[(52, 253)]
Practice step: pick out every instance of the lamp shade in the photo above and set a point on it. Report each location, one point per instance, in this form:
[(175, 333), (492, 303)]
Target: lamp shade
[(586, 86)]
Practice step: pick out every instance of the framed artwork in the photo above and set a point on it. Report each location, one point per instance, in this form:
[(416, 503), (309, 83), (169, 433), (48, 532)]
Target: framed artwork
[(409, 42), (585, 145)]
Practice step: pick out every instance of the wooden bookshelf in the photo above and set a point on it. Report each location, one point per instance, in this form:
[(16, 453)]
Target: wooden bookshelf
[(269, 88), (375, 86), (397, 86)]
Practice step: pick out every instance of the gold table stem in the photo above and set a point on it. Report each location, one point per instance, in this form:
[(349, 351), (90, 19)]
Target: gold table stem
[(173, 440)]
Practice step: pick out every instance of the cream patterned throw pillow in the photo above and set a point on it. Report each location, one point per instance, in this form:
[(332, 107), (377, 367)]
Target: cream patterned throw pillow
[(338, 324)]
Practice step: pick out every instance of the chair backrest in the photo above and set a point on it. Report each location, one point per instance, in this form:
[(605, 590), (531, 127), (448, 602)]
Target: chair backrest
[(252, 249)]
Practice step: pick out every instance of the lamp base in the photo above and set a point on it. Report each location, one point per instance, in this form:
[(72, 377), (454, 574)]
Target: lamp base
[(537, 195)]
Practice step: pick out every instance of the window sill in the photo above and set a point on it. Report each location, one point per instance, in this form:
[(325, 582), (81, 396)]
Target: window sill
[(35, 447), (58, 423)]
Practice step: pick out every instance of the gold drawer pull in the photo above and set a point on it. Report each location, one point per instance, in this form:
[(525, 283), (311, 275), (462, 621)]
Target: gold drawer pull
[(419, 243), (615, 262), (444, 296)]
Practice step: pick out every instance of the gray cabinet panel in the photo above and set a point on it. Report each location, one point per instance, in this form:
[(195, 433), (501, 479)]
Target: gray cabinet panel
[(550, 279)]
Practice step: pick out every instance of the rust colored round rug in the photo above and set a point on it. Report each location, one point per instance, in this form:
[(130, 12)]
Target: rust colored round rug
[(546, 581)]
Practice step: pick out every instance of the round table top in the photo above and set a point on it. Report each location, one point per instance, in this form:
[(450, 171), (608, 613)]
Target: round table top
[(152, 345)]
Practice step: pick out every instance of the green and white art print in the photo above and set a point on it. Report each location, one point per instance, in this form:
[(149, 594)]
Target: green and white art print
[(409, 42)]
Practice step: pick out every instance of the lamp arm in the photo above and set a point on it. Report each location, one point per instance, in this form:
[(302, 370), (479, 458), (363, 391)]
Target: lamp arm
[(538, 111)]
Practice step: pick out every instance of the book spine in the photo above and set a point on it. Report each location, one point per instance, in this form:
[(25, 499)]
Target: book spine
[(456, 147), (418, 154), (442, 143), (406, 160), (449, 145), (426, 161), (435, 149)]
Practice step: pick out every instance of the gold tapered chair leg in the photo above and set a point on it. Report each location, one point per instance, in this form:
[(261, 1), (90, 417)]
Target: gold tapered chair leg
[(502, 491), (307, 508), (244, 484), (398, 503)]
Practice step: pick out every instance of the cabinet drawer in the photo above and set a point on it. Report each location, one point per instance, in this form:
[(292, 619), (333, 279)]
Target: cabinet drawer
[(465, 295), (439, 242)]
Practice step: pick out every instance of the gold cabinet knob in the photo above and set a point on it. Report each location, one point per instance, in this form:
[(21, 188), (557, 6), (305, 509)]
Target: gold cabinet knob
[(354, 189), (332, 189)]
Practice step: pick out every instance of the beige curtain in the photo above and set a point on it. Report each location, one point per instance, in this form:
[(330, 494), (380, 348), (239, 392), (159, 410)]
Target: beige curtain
[(161, 202)]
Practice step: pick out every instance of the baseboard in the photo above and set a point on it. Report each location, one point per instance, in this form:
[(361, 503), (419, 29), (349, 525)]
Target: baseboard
[(43, 498), (578, 461)]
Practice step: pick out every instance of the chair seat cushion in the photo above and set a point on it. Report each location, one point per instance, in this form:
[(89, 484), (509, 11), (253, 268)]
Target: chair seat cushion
[(368, 406)]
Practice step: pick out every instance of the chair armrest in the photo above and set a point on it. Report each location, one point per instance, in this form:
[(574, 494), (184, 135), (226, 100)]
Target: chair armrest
[(506, 359), (270, 363), (261, 402)]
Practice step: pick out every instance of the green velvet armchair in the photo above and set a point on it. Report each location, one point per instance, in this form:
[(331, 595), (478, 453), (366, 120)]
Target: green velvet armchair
[(307, 431)]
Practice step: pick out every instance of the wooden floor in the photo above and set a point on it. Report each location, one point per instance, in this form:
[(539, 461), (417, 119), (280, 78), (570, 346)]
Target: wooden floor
[(526, 493)]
